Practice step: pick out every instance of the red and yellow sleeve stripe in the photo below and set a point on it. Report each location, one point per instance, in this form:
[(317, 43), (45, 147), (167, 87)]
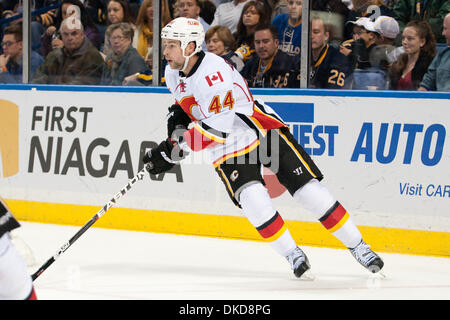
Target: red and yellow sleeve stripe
[(198, 138)]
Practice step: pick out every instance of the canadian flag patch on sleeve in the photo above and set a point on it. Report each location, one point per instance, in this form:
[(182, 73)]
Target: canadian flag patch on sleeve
[(214, 78)]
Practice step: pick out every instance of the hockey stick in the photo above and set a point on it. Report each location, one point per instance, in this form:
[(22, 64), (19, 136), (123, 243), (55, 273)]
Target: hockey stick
[(106, 207)]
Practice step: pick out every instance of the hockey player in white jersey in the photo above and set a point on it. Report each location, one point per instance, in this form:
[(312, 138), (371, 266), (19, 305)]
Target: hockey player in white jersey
[(215, 112), (15, 281)]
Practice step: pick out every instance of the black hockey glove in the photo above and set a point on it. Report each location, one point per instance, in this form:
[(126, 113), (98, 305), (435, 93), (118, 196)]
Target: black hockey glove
[(163, 157), (177, 119)]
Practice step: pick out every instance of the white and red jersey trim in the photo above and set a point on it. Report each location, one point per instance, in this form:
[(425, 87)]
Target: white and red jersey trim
[(217, 98)]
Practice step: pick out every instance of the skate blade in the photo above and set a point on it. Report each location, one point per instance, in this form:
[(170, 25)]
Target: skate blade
[(307, 276), (380, 274)]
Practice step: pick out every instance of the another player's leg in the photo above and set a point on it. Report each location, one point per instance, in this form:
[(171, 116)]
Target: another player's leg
[(15, 281)]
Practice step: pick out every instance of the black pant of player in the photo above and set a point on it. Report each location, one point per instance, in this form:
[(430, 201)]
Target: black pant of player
[(278, 151)]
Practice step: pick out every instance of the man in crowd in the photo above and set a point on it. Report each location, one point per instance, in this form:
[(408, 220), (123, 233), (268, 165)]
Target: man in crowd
[(329, 68), (191, 9), (437, 77), (290, 27), (271, 67), (387, 29), (385, 52), (228, 13), (432, 11), (78, 62), (11, 59)]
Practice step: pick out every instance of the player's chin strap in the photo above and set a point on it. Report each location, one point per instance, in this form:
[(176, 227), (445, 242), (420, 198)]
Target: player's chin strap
[(186, 60)]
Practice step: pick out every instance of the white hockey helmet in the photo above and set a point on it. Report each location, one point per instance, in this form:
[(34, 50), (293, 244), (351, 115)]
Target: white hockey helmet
[(185, 30)]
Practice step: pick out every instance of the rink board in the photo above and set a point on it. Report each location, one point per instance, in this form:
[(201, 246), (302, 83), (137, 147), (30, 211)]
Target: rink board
[(385, 155)]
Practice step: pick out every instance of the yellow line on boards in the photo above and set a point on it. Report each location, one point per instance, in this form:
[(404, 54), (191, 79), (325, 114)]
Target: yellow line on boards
[(407, 241)]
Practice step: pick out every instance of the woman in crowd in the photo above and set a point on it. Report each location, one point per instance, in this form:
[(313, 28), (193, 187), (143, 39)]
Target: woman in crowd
[(254, 13), (124, 60), (51, 39), (420, 48), (220, 41), (144, 28), (118, 11)]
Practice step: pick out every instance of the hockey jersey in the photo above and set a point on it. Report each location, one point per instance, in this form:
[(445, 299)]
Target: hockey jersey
[(283, 71), (226, 118), (331, 70)]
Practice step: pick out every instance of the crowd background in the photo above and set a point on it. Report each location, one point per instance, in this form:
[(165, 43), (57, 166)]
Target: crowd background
[(354, 44)]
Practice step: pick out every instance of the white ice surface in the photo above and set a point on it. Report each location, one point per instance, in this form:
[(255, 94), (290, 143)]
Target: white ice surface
[(107, 264)]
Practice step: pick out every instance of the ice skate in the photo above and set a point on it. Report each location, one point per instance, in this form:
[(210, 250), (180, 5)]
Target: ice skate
[(299, 263), (367, 257)]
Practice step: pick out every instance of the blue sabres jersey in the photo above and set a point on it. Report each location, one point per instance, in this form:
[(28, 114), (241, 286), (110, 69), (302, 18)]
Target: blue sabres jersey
[(290, 37)]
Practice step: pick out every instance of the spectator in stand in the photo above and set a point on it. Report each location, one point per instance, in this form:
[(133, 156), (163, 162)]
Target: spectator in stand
[(191, 9), (36, 26), (331, 6), (437, 77), (387, 30), (228, 14), (118, 11), (97, 11), (363, 41), (289, 28), (144, 28), (207, 10), (432, 11), (51, 40), (336, 13), (77, 62), (330, 69), (11, 59), (271, 67), (47, 18), (361, 9), (6, 14), (220, 41), (277, 7), (253, 14), (124, 60), (420, 49)]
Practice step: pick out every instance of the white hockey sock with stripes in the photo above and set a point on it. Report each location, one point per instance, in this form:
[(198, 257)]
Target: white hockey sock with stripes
[(258, 208), (317, 199)]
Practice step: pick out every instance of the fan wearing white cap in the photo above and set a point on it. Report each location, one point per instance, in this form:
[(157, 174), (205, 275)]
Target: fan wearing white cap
[(365, 30), (388, 29), (364, 36)]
